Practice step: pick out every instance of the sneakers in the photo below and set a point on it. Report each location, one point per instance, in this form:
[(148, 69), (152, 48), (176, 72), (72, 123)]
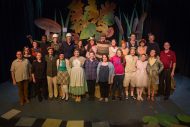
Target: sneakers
[(133, 97), (101, 99)]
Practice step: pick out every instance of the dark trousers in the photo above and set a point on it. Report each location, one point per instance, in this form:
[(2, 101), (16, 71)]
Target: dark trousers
[(23, 90), (41, 88), (118, 85), (31, 90), (165, 83), (104, 89), (91, 87)]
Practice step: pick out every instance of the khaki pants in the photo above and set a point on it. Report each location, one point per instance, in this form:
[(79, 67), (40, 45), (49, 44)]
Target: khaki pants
[(23, 90), (52, 86)]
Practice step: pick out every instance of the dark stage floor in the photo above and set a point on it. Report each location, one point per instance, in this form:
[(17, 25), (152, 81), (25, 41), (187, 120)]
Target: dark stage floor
[(90, 114)]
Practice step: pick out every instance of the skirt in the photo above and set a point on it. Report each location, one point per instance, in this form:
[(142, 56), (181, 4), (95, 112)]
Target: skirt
[(63, 77), (78, 85)]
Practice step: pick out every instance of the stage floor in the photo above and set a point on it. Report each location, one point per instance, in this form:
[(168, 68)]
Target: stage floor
[(89, 113)]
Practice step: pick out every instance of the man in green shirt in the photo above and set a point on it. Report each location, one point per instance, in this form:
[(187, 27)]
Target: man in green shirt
[(51, 73)]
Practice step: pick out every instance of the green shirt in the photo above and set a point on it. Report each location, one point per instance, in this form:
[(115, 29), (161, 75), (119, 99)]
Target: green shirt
[(51, 65), (62, 65)]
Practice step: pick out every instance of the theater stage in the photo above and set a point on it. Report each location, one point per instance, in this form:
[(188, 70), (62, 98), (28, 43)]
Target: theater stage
[(58, 113)]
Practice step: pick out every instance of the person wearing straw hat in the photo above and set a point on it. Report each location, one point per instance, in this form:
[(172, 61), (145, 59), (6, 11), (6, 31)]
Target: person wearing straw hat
[(91, 46), (68, 46), (102, 47)]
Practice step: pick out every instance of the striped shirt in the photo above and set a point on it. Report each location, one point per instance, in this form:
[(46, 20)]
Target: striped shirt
[(102, 48)]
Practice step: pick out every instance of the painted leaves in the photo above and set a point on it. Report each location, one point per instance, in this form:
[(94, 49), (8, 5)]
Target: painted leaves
[(88, 21)]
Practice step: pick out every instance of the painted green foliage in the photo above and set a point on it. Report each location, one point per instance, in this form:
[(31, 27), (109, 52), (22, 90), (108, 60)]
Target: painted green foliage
[(84, 15), (109, 19), (184, 118), (90, 30), (166, 120)]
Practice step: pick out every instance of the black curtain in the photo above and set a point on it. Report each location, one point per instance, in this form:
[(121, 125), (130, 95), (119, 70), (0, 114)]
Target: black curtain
[(17, 18), (168, 20)]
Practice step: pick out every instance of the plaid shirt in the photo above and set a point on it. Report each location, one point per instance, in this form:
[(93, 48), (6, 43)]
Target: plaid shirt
[(91, 69)]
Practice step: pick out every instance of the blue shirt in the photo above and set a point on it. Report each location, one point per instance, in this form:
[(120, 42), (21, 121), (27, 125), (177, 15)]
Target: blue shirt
[(68, 49)]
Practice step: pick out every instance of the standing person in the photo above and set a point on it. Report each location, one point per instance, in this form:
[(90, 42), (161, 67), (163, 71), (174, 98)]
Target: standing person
[(31, 88), (68, 46), (91, 46), (55, 44), (142, 47), (27, 54), (102, 47), (132, 42), (105, 74), (35, 49), (124, 48), (63, 75), (21, 73), (130, 73), (168, 58), (39, 76), (154, 68), (152, 45), (77, 86), (142, 77), (118, 63), (90, 66), (43, 44), (81, 48), (51, 72), (113, 48)]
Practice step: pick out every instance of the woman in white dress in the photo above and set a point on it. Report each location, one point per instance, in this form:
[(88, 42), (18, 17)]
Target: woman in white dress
[(78, 84), (142, 76)]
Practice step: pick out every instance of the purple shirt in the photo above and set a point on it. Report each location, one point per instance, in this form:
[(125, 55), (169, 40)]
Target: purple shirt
[(91, 69), (119, 68)]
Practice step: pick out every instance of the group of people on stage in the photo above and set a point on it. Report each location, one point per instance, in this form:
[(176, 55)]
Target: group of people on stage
[(60, 69)]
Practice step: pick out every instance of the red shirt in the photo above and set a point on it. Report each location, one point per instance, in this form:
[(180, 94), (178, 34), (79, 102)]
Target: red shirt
[(168, 59), (34, 51), (119, 68)]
